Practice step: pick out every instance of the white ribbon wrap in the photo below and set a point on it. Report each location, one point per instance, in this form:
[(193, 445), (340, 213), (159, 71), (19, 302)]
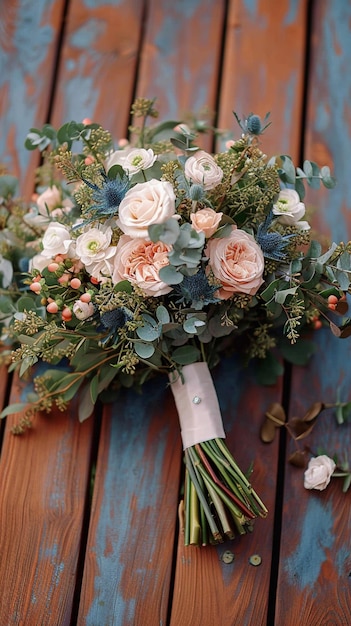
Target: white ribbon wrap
[(197, 404)]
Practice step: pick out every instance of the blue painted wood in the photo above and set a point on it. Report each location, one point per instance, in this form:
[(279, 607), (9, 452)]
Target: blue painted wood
[(98, 63), (44, 479), (29, 33), (315, 560), (134, 514)]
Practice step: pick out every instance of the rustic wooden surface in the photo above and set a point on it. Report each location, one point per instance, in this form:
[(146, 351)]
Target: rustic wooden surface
[(117, 558)]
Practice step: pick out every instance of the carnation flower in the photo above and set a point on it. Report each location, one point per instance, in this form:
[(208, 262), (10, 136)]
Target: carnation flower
[(319, 472), (203, 169), (237, 262), (139, 261), (147, 203)]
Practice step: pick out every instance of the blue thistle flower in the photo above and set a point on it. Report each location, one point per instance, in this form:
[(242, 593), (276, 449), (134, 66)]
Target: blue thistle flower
[(196, 291), (108, 197), (272, 244), (111, 322), (253, 124)]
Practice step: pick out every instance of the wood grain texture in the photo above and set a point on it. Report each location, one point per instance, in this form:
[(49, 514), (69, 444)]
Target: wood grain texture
[(44, 478), (134, 512), (315, 558), (28, 38), (207, 590), (98, 63), (181, 56), (264, 69), (328, 121), (315, 561)]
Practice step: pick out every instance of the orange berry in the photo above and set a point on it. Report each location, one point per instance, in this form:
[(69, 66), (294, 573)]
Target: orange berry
[(75, 283), (94, 280), (66, 314), (36, 287), (52, 307), (36, 279), (331, 306), (317, 324), (85, 297), (64, 279), (86, 121), (332, 300), (89, 160), (52, 267)]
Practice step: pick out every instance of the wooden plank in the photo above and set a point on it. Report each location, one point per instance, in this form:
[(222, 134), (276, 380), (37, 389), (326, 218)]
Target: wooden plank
[(181, 56), (314, 577), (315, 561), (29, 35), (98, 63), (45, 476), (208, 590), (264, 69), (134, 512)]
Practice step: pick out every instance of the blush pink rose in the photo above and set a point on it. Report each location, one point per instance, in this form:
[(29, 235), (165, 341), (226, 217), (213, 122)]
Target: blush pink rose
[(237, 262), (139, 261), (319, 472), (206, 221)]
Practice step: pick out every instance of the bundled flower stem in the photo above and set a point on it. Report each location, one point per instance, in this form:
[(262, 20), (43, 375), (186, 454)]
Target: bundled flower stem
[(219, 500), (217, 488)]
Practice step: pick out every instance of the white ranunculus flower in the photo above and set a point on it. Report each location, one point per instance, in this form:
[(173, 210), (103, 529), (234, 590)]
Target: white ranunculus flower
[(56, 240), (201, 168), (147, 203), (290, 209), (83, 310), (94, 245), (137, 159), (318, 473)]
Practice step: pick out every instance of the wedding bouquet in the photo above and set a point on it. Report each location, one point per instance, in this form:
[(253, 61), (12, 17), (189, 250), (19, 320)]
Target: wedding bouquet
[(157, 257)]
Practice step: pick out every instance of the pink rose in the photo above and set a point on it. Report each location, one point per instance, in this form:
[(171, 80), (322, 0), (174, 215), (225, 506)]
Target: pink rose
[(51, 199), (139, 261), (206, 221), (237, 261)]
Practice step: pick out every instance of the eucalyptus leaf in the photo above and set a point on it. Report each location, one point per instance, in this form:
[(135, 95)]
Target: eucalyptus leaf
[(144, 350)]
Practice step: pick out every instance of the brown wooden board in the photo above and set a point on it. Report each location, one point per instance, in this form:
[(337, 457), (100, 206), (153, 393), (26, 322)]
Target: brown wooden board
[(28, 41), (315, 562), (128, 566), (98, 63), (180, 57), (263, 69), (44, 481), (207, 589)]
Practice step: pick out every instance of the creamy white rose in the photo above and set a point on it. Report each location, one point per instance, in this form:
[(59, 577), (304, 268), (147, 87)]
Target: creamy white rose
[(203, 170), (290, 209), (83, 310), (56, 240), (319, 472), (94, 245), (147, 203)]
